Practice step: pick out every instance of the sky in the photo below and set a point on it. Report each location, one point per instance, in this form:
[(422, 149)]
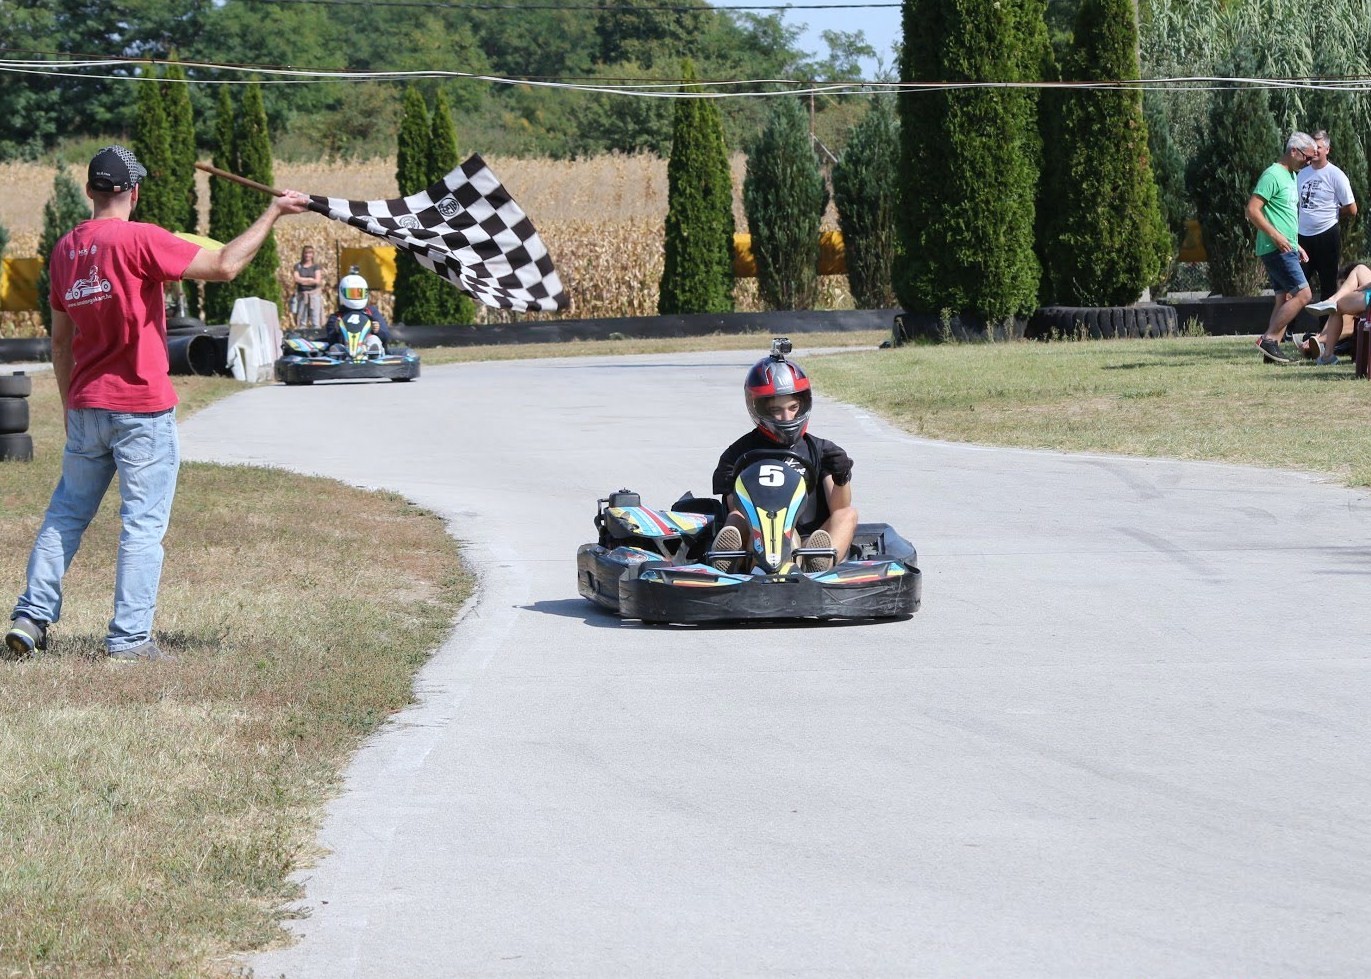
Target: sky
[(880, 24)]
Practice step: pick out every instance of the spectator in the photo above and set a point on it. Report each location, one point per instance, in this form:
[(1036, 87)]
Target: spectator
[(1348, 302), (109, 355), (1273, 209), (1325, 200), (307, 305)]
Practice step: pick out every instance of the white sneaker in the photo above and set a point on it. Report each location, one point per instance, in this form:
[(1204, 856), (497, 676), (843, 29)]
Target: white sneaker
[(1322, 308)]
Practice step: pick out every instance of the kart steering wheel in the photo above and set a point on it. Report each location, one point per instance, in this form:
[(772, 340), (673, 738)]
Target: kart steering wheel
[(780, 454)]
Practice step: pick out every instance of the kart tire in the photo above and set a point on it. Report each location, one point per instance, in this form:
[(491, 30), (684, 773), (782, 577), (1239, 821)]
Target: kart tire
[(17, 350), (14, 416), (15, 385), (185, 324), (298, 382), (16, 448)]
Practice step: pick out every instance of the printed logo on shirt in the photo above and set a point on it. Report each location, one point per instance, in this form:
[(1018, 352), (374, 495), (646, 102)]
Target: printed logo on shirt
[(89, 290)]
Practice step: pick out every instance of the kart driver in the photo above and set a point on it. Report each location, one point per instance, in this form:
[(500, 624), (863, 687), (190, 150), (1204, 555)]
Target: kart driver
[(354, 296), (779, 400)]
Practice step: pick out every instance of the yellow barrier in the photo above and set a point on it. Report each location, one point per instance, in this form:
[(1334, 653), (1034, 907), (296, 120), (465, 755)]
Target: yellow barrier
[(376, 264), (832, 256), (1192, 247), (19, 284)]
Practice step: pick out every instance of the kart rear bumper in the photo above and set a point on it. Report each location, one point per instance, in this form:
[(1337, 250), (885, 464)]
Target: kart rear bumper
[(294, 370)]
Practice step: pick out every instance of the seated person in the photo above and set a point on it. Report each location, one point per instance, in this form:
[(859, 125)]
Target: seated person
[(779, 400), (354, 300), (1348, 302)]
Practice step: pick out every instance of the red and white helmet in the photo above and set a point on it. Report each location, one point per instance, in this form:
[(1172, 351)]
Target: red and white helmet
[(773, 377)]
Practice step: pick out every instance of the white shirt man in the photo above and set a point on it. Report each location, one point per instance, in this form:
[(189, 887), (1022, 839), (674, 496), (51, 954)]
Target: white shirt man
[(1325, 196)]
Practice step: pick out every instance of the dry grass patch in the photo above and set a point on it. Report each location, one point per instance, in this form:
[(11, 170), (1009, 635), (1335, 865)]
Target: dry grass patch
[(152, 814)]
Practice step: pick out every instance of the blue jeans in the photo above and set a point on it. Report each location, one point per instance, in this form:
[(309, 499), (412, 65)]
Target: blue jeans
[(145, 450)]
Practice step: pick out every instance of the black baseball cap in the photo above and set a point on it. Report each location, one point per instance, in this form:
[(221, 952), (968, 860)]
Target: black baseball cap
[(115, 169)]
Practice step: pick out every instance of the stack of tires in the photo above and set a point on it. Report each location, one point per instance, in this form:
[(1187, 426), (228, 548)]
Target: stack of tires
[(15, 442)]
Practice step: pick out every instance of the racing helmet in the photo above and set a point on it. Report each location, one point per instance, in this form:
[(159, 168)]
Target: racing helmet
[(772, 377), (353, 291)]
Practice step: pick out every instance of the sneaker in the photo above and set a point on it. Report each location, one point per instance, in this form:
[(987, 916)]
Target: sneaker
[(24, 637), (1322, 308), (818, 562), (145, 652), (1271, 351), (1327, 360), (728, 540)]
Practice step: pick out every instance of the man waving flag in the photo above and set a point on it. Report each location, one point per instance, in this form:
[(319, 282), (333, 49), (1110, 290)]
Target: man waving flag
[(466, 228)]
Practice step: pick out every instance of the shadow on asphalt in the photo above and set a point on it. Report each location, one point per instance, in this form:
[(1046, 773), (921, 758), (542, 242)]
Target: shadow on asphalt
[(593, 615)]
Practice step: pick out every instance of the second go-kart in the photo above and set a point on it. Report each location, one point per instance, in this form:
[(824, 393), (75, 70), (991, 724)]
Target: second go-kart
[(658, 565), (306, 359)]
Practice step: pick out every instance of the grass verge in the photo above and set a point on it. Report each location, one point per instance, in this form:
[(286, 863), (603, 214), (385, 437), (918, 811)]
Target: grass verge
[(150, 816)]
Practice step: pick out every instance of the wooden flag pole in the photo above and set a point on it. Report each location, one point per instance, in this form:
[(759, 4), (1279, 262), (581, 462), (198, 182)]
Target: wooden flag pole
[(216, 172)]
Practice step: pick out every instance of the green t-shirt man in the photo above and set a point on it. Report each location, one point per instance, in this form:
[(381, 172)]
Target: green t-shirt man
[(1276, 186)]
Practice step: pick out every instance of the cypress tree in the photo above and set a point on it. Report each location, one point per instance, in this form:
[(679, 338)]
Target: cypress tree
[(784, 196), (254, 157), (152, 146), (865, 189), (447, 303), (968, 158), (181, 178), (411, 176), (1241, 142), (65, 209), (227, 206), (181, 134), (697, 275), (1104, 237), (1168, 166)]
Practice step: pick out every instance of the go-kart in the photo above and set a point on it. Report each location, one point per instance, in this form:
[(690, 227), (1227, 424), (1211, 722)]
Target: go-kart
[(658, 565), (307, 358)]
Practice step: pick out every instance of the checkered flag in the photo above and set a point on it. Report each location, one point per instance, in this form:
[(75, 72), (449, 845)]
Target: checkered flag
[(470, 231)]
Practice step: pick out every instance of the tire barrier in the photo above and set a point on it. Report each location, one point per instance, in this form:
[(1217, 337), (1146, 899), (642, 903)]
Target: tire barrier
[(954, 327), (1102, 322), (194, 353), (15, 442), (25, 350)]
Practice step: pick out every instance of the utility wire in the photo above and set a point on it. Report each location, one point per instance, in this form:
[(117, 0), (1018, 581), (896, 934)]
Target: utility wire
[(665, 89)]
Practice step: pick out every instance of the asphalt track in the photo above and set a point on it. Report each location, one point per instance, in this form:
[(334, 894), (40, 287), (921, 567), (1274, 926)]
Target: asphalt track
[(1126, 736)]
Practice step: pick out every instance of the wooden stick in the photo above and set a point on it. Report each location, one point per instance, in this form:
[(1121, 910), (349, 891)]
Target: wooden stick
[(238, 180), (314, 206)]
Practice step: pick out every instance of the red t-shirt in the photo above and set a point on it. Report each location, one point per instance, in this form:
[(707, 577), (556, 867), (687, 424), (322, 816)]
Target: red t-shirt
[(107, 276)]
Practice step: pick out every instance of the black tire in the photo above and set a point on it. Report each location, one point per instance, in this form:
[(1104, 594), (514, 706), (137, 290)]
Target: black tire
[(15, 385), (14, 416), (15, 351), (1102, 322), (185, 324), (16, 448)]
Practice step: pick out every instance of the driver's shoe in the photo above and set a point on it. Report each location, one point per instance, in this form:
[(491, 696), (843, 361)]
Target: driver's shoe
[(728, 539), (818, 562), (24, 637)]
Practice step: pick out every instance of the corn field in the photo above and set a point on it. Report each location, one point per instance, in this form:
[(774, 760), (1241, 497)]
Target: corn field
[(601, 218)]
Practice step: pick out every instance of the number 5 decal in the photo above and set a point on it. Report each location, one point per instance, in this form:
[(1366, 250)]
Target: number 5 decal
[(771, 475)]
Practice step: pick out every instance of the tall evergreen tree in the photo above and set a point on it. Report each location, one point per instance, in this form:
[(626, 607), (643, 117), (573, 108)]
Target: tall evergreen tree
[(65, 209), (1104, 237), (1241, 142), (784, 197), (228, 215), (968, 157), (411, 176), (181, 135), (181, 178), (152, 145), (697, 275), (447, 304), (865, 189), (254, 157)]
